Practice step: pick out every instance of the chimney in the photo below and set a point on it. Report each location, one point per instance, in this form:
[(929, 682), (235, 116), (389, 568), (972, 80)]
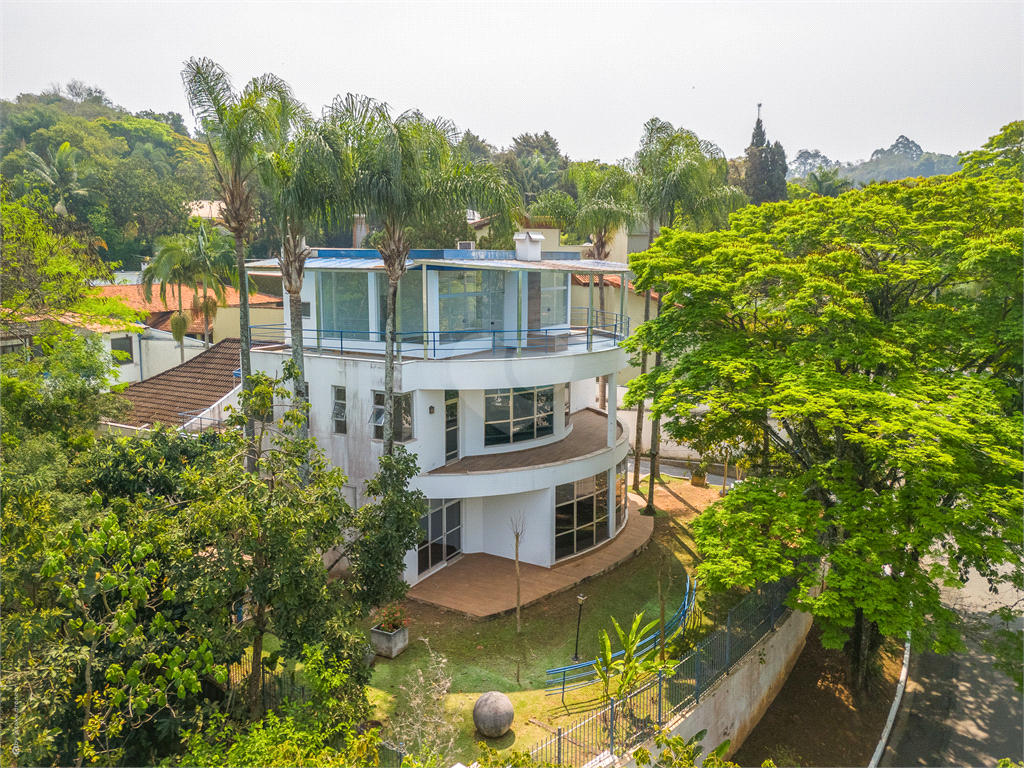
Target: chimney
[(528, 245)]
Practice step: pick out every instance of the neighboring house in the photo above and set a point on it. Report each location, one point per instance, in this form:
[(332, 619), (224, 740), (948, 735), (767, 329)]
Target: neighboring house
[(210, 210), (193, 395), (494, 383), (138, 350), (263, 310)]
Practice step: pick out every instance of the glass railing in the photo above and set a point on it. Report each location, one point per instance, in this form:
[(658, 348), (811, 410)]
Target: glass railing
[(587, 330)]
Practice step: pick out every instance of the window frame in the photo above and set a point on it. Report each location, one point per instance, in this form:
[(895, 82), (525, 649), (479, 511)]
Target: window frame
[(343, 402), (517, 429), (587, 492), (377, 417), (130, 350)]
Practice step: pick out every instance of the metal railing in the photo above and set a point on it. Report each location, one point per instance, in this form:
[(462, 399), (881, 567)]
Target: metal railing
[(562, 679), (585, 330), (624, 724)]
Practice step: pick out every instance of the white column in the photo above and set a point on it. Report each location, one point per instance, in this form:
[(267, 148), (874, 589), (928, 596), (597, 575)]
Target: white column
[(613, 407)]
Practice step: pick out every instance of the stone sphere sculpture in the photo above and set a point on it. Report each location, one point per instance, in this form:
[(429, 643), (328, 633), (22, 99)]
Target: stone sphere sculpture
[(493, 714)]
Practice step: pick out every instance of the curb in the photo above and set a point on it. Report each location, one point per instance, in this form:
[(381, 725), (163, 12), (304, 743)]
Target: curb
[(894, 708)]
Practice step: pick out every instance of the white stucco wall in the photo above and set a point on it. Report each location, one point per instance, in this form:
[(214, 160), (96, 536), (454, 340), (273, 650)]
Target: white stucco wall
[(536, 509), (160, 352)]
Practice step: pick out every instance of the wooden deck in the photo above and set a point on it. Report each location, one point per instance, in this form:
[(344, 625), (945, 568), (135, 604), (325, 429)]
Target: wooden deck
[(589, 435), (483, 586)]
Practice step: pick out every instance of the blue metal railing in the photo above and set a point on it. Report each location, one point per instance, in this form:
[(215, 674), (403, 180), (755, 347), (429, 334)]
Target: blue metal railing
[(586, 329), (562, 679)]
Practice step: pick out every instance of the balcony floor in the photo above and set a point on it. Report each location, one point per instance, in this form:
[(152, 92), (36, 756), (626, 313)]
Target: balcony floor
[(483, 586), (589, 435)]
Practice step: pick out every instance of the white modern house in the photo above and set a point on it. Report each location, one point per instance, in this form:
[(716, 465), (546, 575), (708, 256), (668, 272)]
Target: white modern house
[(495, 383)]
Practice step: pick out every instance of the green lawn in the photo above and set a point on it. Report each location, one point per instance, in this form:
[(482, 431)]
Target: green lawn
[(488, 655)]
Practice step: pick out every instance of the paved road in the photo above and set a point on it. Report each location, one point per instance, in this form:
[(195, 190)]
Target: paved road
[(958, 709), (713, 481)]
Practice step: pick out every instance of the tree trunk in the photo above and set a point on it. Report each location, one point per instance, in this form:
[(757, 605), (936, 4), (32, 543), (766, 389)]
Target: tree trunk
[(389, 368), (256, 674), (245, 336), (181, 344), (655, 433), (295, 320), (206, 317), (638, 441), (864, 637), (519, 623), (602, 397)]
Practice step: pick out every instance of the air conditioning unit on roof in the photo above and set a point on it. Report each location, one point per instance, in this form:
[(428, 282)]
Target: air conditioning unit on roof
[(466, 245)]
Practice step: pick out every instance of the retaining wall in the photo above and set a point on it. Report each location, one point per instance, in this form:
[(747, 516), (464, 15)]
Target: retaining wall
[(735, 704)]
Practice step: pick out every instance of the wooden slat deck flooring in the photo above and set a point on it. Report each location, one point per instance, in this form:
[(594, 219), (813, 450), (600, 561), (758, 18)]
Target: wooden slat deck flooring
[(483, 586)]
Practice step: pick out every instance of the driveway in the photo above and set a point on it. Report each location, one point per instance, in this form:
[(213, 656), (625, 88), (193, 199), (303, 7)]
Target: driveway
[(958, 709)]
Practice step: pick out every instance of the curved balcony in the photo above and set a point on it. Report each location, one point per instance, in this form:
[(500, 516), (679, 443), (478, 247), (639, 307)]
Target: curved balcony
[(583, 453)]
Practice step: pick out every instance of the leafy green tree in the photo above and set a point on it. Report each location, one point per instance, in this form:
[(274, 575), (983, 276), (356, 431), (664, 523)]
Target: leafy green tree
[(475, 149), (235, 125), (1000, 156), (867, 352), (764, 179), (155, 156), (46, 271), (145, 206), (61, 176), (557, 205), (407, 170), (261, 534), (388, 527), (677, 752)]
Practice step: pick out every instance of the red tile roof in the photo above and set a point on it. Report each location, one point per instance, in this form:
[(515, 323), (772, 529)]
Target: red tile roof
[(612, 280), (132, 296), (194, 385)]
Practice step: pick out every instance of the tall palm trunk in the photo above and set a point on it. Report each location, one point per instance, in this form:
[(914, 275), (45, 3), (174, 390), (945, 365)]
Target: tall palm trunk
[(181, 344), (389, 365), (638, 442), (206, 317), (245, 336), (295, 319), (655, 435)]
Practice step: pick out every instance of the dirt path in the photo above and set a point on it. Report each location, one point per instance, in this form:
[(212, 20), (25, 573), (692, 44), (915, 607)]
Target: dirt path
[(816, 720)]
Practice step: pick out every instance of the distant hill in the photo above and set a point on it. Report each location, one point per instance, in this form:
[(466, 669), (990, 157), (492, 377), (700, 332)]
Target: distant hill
[(904, 159)]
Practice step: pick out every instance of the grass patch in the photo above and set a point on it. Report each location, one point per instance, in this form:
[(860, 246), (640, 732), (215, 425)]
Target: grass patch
[(489, 655)]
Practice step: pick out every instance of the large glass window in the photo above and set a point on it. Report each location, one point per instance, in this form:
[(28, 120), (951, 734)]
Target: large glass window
[(554, 301), (514, 415), (621, 499), (471, 303), (344, 305), (581, 515), (408, 305), (402, 416), (440, 533)]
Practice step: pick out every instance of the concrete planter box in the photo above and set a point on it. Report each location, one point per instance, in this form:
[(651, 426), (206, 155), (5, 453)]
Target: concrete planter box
[(390, 644)]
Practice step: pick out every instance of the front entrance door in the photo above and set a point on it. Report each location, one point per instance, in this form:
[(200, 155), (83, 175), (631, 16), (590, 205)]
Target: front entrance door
[(440, 533)]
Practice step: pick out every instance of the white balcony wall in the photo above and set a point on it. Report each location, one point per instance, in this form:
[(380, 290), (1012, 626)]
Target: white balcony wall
[(537, 510)]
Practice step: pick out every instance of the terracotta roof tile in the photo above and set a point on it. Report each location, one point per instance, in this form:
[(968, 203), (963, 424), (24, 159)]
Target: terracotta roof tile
[(132, 296), (196, 384)]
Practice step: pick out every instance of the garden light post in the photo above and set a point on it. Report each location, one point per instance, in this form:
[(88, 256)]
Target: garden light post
[(579, 599)]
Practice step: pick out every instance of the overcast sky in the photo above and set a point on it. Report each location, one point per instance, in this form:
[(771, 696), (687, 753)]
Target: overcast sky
[(845, 78)]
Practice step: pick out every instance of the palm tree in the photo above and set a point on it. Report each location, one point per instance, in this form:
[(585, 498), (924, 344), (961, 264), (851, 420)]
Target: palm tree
[(606, 203), (214, 263), (235, 125), (682, 180), (294, 170), (407, 170), (827, 183), (174, 265), (62, 177)]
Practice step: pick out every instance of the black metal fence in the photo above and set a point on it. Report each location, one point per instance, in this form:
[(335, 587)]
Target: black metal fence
[(622, 725), (276, 687)]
